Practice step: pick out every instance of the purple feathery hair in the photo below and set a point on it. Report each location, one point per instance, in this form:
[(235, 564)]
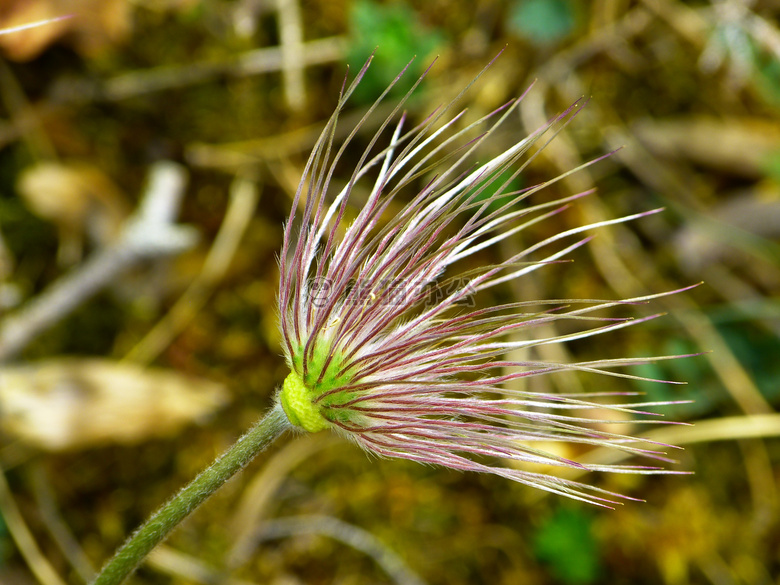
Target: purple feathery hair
[(385, 350)]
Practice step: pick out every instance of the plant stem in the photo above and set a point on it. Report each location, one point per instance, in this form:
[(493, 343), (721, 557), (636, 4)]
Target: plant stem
[(150, 534)]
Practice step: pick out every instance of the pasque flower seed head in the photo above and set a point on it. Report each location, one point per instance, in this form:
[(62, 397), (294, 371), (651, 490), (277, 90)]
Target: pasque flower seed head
[(383, 339)]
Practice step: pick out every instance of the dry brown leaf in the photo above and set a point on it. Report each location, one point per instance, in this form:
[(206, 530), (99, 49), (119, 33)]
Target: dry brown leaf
[(26, 44), (93, 25), (79, 199), (70, 403)]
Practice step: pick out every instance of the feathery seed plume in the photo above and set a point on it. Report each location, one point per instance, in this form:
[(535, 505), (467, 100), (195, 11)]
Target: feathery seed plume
[(389, 350)]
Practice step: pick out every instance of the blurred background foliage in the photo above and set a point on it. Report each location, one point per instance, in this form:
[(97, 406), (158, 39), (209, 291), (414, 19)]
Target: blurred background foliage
[(235, 93)]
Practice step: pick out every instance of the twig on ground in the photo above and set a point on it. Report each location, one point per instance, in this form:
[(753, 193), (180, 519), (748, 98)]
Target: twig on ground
[(348, 534), (258, 494), (148, 234), (178, 564), (257, 61), (58, 528), (293, 58), (243, 201), (23, 538)]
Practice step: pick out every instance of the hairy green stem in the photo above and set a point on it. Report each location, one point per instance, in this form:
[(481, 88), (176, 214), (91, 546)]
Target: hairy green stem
[(150, 534)]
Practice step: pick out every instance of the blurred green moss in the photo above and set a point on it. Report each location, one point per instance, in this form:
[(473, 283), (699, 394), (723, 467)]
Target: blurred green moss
[(565, 542), (393, 34)]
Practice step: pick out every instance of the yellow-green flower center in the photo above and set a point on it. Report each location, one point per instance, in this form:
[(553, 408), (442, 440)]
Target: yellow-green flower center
[(325, 373), (298, 403)]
